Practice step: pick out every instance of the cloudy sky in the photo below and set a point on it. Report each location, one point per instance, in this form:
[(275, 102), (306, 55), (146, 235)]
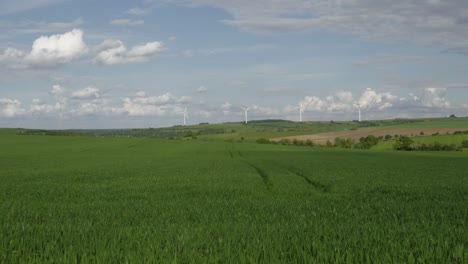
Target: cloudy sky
[(115, 64)]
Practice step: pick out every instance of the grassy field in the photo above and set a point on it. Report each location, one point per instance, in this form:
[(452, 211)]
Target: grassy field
[(435, 122), (88, 199)]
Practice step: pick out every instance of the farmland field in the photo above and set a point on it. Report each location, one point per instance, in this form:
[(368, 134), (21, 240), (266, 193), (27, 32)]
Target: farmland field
[(91, 199)]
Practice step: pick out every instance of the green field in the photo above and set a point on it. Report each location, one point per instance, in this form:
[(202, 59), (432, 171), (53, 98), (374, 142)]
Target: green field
[(112, 200), (458, 122)]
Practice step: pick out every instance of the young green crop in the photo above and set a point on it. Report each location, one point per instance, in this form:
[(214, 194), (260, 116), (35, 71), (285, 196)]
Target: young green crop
[(84, 199)]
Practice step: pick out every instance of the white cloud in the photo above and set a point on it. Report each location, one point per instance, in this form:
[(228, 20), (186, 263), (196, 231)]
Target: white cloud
[(137, 11), (87, 93), (345, 101), (11, 55), (48, 51), (112, 52), (143, 105), (10, 107), (434, 97), (263, 111), (40, 108), (57, 49), (204, 113), (311, 103), (373, 99), (226, 108), (202, 89), (141, 94), (126, 22)]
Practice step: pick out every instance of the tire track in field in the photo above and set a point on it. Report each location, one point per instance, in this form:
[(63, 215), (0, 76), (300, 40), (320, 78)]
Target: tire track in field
[(317, 185), (265, 177)]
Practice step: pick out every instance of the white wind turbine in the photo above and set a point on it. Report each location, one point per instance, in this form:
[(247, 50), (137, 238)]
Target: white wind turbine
[(246, 110), (358, 105), (185, 116), (301, 110)]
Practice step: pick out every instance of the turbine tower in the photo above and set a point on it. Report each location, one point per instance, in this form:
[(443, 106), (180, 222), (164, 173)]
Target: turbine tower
[(301, 110), (245, 112), (185, 116), (359, 109)]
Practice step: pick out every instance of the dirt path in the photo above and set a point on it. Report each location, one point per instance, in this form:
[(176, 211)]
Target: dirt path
[(322, 138)]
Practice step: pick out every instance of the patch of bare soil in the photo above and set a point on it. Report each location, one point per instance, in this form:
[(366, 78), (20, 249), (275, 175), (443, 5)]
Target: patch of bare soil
[(322, 138)]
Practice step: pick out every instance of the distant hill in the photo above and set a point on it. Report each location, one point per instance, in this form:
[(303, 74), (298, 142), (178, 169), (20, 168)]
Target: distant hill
[(255, 129)]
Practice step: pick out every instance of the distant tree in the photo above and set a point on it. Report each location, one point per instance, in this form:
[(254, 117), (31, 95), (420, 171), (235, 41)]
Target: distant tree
[(421, 133), (453, 116), (329, 144), (311, 143), (403, 143), (367, 142), (388, 137), (465, 143), (263, 141)]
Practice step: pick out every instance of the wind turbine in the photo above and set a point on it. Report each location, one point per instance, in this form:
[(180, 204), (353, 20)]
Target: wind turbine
[(301, 109), (359, 109), (185, 116), (245, 112)]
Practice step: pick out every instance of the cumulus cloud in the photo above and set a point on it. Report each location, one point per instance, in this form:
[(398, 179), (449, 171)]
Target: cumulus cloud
[(126, 22), (112, 52), (48, 51), (10, 107), (87, 93), (144, 105), (343, 101), (373, 99), (434, 97), (430, 101)]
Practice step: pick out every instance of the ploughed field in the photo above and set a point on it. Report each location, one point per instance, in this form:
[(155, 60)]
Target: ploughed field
[(85, 199)]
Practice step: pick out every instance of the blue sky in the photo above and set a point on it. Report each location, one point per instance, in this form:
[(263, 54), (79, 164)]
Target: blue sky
[(111, 64)]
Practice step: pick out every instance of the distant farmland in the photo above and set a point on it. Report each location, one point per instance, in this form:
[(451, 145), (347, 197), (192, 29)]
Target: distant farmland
[(322, 138), (73, 199)]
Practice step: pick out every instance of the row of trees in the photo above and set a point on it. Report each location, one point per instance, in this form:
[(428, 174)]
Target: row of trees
[(364, 142), (405, 143)]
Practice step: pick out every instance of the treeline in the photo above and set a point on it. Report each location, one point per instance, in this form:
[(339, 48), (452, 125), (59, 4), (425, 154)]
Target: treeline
[(364, 142), (169, 133), (405, 143), (43, 132)]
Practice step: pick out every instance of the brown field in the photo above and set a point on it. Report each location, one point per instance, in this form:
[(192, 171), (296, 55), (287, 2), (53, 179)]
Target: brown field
[(322, 138)]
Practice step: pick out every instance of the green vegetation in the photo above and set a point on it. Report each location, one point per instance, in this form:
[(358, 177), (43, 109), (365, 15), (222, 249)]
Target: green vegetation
[(269, 129), (112, 200), (433, 122), (456, 139)]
